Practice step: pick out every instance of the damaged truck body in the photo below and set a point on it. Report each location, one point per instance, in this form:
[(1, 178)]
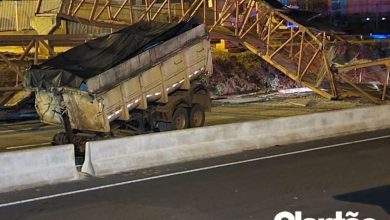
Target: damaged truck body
[(141, 79)]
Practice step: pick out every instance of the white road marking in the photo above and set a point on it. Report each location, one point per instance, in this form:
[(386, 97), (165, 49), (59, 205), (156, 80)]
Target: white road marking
[(186, 172), (28, 145)]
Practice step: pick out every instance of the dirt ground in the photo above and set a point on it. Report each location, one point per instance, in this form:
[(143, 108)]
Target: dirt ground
[(277, 107), (22, 135)]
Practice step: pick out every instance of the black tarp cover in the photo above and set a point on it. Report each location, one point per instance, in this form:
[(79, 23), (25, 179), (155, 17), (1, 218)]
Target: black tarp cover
[(275, 4), (96, 56)]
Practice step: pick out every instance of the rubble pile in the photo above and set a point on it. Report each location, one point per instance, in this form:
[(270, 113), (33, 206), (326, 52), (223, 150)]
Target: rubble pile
[(348, 54), (244, 72)]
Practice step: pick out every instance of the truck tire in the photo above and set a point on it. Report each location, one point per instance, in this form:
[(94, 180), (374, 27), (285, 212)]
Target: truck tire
[(197, 116), (180, 119)]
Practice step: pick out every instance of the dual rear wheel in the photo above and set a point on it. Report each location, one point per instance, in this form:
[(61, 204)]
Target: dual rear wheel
[(183, 118)]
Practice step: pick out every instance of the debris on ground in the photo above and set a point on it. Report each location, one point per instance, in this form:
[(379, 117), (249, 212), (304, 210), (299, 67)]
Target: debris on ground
[(346, 54), (260, 97), (239, 73)]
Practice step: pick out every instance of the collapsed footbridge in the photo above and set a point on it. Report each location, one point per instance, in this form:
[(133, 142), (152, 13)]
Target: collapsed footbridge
[(300, 44)]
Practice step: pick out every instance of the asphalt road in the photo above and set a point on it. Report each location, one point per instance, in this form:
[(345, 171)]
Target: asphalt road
[(349, 173)]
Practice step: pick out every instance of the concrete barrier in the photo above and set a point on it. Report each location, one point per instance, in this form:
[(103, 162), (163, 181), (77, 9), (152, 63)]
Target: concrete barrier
[(39, 166), (138, 152)]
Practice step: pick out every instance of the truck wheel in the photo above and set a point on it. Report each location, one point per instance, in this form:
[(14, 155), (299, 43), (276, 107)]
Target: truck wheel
[(197, 116), (180, 119)]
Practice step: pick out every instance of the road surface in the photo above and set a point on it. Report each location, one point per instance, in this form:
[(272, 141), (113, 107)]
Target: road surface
[(350, 173)]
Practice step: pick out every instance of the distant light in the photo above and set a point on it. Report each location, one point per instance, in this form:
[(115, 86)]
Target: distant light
[(383, 18), (293, 26), (367, 19), (380, 36)]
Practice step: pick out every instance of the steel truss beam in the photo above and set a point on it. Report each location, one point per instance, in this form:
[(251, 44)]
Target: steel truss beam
[(31, 46), (299, 52)]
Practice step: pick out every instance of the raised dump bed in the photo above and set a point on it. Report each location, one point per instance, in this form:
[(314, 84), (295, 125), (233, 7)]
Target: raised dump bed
[(142, 78)]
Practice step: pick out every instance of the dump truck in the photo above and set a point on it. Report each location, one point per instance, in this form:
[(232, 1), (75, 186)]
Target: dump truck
[(141, 79)]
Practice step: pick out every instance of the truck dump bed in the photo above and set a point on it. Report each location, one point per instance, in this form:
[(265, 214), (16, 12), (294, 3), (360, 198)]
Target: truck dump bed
[(102, 80)]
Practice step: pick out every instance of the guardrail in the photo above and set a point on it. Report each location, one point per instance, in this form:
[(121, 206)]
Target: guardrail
[(144, 151), (35, 167)]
